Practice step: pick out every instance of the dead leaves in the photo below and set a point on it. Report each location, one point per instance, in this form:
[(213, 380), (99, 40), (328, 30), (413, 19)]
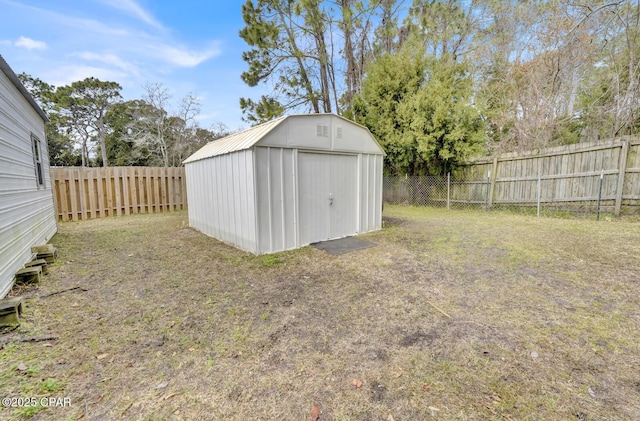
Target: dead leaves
[(356, 383), (315, 412)]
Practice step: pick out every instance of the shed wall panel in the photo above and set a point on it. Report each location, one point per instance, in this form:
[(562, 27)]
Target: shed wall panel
[(220, 190), (276, 199), (370, 193), (27, 214), (275, 177), (343, 195), (313, 191)]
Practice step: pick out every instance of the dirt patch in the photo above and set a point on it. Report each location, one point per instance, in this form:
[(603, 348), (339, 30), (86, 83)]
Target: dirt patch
[(465, 315), (377, 391)]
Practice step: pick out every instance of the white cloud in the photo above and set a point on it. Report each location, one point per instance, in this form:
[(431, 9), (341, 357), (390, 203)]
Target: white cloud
[(110, 59), (183, 57), (136, 10), (66, 75), (122, 40), (30, 44)]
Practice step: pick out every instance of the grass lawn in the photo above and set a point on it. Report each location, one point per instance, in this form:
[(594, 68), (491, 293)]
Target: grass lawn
[(453, 316)]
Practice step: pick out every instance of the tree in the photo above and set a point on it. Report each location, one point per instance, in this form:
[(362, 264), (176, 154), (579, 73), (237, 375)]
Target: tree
[(60, 146), (184, 126), (262, 111), (387, 31), (152, 128), (312, 53), (440, 119), (611, 99), (83, 106), (121, 146), (445, 27), (215, 132), (273, 33), (159, 136), (419, 108)]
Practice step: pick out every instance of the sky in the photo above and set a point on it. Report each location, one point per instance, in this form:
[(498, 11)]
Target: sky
[(188, 46)]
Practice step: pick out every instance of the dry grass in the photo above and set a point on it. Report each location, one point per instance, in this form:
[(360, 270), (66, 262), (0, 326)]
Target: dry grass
[(175, 325)]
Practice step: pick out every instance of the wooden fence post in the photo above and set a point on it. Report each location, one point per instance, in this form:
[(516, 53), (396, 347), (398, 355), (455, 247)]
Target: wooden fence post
[(622, 170), (53, 172), (492, 184)]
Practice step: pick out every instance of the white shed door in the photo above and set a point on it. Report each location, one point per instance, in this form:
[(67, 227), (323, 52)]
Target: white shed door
[(327, 193)]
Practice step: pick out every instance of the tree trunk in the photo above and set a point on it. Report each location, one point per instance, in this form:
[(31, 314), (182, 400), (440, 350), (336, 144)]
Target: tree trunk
[(298, 55), (101, 139)]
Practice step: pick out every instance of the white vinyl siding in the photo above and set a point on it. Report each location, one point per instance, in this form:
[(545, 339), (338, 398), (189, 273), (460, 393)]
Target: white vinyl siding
[(27, 215)]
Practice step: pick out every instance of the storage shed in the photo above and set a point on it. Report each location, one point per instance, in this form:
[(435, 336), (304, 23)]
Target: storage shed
[(27, 214), (290, 182)]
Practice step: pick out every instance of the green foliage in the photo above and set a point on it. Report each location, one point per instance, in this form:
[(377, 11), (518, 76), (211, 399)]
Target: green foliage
[(83, 106), (121, 148), (567, 131), (60, 145), (444, 27), (260, 112), (420, 110), (271, 30), (494, 93), (301, 49), (29, 411), (51, 386), (270, 260), (34, 369)]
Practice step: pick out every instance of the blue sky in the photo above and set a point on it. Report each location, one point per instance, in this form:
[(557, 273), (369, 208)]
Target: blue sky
[(189, 46)]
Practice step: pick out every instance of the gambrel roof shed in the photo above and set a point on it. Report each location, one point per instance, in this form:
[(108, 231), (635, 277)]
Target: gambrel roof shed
[(290, 182)]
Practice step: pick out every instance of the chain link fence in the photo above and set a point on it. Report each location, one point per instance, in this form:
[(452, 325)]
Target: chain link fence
[(584, 195), (435, 191)]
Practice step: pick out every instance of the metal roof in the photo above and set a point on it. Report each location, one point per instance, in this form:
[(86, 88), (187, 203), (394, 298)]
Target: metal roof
[(235, 142), (4, 66), (247, 138)]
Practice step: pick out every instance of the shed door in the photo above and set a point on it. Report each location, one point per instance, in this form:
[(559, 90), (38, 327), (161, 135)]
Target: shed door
[(327, 192)]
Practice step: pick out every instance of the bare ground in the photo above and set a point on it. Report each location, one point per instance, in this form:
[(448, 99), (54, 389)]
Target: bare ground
[(453, 316)]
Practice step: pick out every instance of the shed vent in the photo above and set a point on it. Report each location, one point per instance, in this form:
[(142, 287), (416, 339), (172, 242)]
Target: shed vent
[(339, 133), (322, 130)]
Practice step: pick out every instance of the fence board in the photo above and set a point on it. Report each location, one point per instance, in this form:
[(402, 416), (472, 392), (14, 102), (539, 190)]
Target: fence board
[(133, 192), (91, 189), (125, 192), (86, 193), (569, 176)]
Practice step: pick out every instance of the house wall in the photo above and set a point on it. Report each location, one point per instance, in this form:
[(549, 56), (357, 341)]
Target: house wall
[(221, 195), (27, 214)]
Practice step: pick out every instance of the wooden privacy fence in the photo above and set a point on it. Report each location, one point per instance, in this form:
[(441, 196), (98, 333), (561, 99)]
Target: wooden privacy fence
[(85, 193), (566, 174), (581, 177)]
